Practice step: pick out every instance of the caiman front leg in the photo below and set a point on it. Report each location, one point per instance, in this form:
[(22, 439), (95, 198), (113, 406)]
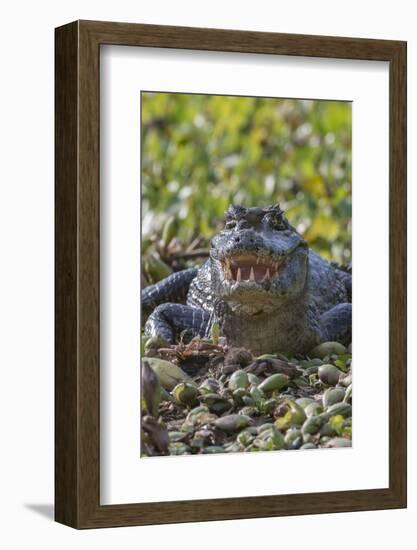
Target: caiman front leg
[(336, 324), (170, 320), (172, 289)]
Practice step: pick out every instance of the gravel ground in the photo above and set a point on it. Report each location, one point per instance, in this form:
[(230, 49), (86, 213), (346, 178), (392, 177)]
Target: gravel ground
[(204, 397)]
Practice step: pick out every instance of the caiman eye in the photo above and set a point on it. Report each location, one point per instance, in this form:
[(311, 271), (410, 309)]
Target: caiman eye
[(276, 222), (230, 224)]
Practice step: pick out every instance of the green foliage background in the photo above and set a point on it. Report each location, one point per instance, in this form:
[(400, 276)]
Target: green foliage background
[(201, 153)]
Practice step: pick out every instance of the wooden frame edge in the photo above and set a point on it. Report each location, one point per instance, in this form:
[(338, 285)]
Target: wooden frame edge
[(66, 276), (77, 274), (398, 272)]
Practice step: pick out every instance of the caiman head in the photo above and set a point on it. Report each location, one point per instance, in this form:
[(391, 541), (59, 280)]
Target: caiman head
[(258, 261)]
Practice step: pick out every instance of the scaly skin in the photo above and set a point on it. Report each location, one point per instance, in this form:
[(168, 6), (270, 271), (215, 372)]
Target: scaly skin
[(261, 285)]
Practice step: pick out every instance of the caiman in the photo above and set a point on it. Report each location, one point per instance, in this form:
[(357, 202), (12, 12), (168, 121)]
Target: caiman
[(262, 285)]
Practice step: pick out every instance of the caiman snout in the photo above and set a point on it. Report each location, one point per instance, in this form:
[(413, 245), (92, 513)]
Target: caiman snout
[(248, 239)]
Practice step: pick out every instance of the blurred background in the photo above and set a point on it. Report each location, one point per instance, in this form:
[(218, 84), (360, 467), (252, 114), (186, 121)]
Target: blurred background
[(201, 153)]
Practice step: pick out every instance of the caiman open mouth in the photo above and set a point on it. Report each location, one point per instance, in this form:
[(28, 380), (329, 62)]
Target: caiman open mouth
[(250, 267)]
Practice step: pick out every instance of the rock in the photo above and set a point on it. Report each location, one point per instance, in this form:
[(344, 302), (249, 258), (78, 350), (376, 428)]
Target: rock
[(328, 348), (233, 423), (216, 403), (339, 442), (151, 389), (151, 345), (308, 445), (275, 382), (329, 374), (342, 409), (288, 414), (312, 425), (313, 409), (239, 380), (332, 396), (186, 393), (304, 401), (169, 374), (293, 438)]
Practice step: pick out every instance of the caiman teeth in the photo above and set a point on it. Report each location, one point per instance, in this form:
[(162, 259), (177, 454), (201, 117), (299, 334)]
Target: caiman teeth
[(267, 275), (227, 269), (250, 267)]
